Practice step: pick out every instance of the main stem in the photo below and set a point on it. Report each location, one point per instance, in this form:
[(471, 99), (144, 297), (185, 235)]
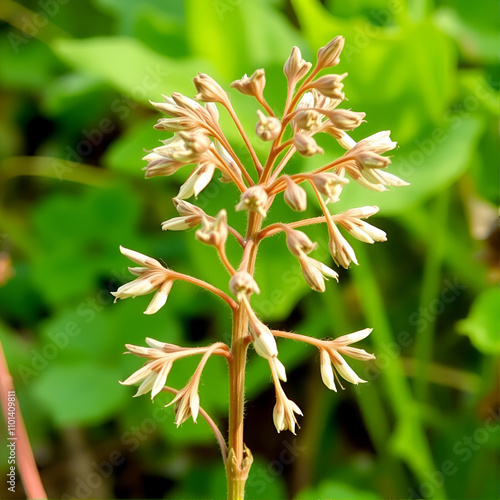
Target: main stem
[(239, 457)]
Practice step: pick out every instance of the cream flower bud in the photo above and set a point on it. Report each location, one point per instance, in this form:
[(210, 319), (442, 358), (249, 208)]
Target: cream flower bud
[(187, 403), (187, 209), (279, 367), (185, 102), (342, 253), (308, 120), (306, 145), (253, 85), (369, 159), (150, 277), (197, 181), (254, 199), (326, 370), (295, 67), (262, 338), (299, 243), (208, 89), (345, 371), (330, 185), (268, 127), (329, 55), (315, 272), (242, 284), (213, 232), (181, 223), (330, 86), (196, 143), (284, 414), (345, 119), (295, 196)]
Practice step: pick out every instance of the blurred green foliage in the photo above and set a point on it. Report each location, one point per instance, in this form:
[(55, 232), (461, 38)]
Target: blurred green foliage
[(76, 78)]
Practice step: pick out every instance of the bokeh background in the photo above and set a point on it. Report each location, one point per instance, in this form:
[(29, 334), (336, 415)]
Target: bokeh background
[(75, 80)]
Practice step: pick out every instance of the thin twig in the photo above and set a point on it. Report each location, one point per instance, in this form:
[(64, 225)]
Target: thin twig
[(207, 286)]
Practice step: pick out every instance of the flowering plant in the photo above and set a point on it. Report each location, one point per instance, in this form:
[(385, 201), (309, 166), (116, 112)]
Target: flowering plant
[(311, 108)]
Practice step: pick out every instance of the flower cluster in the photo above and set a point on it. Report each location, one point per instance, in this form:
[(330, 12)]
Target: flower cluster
[(312, 107)]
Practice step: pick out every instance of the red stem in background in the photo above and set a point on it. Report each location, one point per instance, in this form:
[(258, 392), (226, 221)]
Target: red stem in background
[(25, 461)]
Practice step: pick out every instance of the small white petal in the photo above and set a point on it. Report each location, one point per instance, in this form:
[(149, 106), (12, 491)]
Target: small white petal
[(137, 257), (347, 373), (159, 298), (327, 370), (139, 286), (156, 344), (137, 376), (147, 385), (194, 403), (161, 379), (353, 337), (175, 224)]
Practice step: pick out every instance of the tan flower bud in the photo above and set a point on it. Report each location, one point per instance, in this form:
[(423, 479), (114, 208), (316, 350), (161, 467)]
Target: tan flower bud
[(330, 185), (315, 272), (214, 232), (308, 120), (329, 55), (330, 86), (196, 143), (185, 102), (299, 243), (268, 127), (254, 199), (208, 89), (295, 196), (161, 165), (295, 67), (175, 124), (187, 209), (253, 85), (306, 145), (242, 284), (345, 119)]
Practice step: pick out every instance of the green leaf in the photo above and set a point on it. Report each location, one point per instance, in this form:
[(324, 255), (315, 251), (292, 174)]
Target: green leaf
[(482, 325), (336, 489), (129, 66), (81, 393)]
